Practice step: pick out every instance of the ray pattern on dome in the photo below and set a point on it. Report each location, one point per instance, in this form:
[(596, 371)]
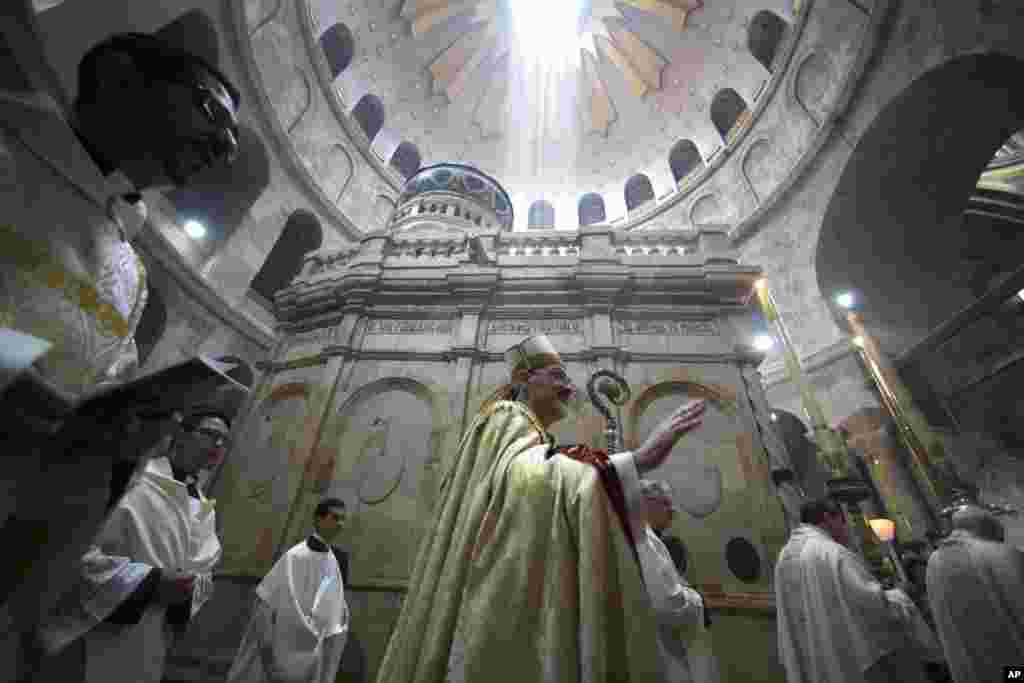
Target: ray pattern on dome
[(603, 32)]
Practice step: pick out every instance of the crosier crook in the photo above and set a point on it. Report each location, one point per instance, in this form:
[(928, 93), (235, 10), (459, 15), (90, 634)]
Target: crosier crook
[(607, 388)]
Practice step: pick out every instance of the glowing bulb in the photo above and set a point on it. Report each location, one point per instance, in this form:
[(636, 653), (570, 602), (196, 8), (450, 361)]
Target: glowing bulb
[(885, 529), (764, 342), (845, 299), (195, 230), (761, 283), (858, 341), (775, 417), (1020, 295)]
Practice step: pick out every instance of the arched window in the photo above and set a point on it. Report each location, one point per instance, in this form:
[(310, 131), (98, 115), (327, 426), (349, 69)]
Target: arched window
[(301, 235), (406, 160), (369, 114), (684, 159), (152, 324), (339, 47), (638, 191), (728, 113), (764, 37), (541, 216), (591, 209)]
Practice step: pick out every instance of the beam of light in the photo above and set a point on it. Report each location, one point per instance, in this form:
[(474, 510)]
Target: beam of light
[(195, 230), (546, 30)]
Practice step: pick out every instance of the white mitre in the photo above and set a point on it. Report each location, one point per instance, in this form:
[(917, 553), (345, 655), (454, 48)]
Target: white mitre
[(532, 353)]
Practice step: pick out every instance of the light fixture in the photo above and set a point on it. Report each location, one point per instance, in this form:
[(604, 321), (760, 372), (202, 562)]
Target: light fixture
[(858, 341), (764, 342), (845, 299), (195, 230), (1020, 295), (775, 417), (761, 283)]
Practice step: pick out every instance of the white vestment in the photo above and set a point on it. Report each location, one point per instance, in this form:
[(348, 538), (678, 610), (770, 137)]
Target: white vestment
[(836, 623), (155, 525), (676, 605), (976, 591), (300, 622)]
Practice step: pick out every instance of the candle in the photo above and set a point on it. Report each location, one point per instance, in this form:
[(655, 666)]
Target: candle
[(885, 529)]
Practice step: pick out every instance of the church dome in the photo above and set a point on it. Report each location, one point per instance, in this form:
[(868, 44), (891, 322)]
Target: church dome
[(479, 198)]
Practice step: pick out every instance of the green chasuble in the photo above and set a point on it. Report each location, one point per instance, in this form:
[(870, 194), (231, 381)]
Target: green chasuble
[(526, 574)]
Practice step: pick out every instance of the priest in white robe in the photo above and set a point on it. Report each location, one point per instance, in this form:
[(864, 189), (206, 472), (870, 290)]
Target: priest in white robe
[(976, 591), (299, 625), (150, 568), (678, 607), (529, 570), (836, 623)]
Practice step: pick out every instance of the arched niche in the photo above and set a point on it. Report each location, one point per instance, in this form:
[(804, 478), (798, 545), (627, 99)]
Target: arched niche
[(388, 446), (302, 234), (339, 47), (764, 36), (262, 479), (591, 209), (638, 191), (406, 159), (695, 467), (684, 159), (369, 114), (729, 113), (541, 215)]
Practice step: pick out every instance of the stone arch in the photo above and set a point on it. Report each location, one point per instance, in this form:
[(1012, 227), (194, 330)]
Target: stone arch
[(764, 35), (221, 196), (684, 158), (383, 206), (406, 159), (338, 47), (812, 83), (369, 114), (591, 209), (302, 234), (761, 175), (152, 324), (729, 113), (541, 215), (339, 173), (388, 469), (903, 194), (307, 100), (638, 191), (708, 212), (691, 472)]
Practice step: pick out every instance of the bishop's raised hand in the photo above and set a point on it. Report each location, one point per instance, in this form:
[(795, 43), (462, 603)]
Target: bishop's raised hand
[(659, 443)]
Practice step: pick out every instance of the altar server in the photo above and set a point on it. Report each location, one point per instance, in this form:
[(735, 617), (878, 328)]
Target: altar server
[(976, 590), (300, 621), (836, 623), (150, 568)]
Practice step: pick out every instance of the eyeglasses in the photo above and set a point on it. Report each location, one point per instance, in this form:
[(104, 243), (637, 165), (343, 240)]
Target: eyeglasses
[(218, 438)]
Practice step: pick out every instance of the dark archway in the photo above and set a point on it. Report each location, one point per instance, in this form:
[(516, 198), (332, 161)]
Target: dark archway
[(369, 114), (301, 235), (591, 209), (638, 191), (541, 215), (767, 29), (727, 110), (684, 158), (220, 197), (406, 159), (339, 47), (894, 230), (152, 324)]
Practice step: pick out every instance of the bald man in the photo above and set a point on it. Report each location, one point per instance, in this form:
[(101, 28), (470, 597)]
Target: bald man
[(976, 590)]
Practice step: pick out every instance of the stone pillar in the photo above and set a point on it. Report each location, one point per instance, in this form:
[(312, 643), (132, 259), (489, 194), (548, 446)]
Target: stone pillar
[(716, 247), (465, 351), (780, 465)]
